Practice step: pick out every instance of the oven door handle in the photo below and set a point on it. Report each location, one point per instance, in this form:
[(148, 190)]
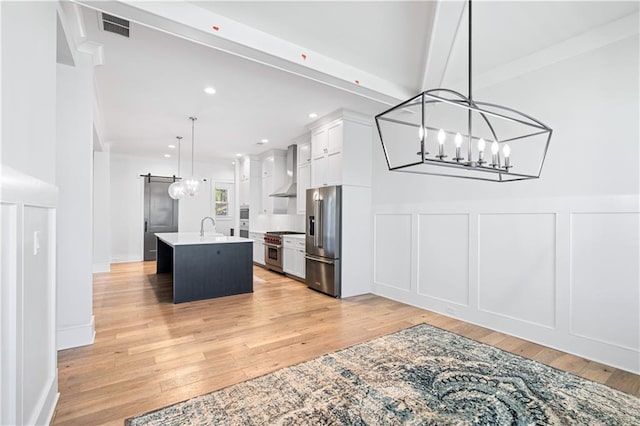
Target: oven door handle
[(272, 245), (318, 259)]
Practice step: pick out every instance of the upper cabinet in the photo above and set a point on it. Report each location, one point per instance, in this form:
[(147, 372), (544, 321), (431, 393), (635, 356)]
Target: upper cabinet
[(304, 153), (341, 152), (248, 193), (303, 175)]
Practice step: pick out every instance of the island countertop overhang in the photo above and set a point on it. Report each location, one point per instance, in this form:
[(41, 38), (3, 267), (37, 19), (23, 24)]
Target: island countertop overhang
[(193, 238)]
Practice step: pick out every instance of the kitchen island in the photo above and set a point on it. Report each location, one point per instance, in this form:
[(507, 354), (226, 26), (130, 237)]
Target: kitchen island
[(203, 267)]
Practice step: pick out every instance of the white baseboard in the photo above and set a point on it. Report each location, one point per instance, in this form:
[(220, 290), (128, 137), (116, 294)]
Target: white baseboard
[(101, 267), (76, 335), (48, 408)]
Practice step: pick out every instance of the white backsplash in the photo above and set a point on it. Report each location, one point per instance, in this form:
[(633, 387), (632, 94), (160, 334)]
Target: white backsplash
[(278, 222)]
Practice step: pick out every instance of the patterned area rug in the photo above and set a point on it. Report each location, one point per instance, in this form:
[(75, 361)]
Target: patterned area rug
[(421, 375)]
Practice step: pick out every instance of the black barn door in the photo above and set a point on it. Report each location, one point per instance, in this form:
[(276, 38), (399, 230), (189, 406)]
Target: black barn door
[(160, 212)]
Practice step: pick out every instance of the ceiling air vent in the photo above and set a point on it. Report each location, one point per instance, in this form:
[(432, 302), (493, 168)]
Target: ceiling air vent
[(115, 25)]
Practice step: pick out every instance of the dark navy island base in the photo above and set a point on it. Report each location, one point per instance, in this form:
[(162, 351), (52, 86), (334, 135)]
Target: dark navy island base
[(204, 271)]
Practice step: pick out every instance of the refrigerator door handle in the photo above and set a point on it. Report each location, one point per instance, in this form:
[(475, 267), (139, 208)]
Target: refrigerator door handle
[(318, 259), (319, 231)]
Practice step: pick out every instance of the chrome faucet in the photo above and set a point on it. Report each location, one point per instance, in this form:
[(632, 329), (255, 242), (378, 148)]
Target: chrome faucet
[(213, 222)]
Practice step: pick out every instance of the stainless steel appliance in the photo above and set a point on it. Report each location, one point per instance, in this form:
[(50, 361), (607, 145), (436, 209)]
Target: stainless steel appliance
[(244, 222), (289, 188), (273, 252), (323, 239)]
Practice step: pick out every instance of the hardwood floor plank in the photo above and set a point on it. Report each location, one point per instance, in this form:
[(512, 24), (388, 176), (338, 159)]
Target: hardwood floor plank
[(150, 353)]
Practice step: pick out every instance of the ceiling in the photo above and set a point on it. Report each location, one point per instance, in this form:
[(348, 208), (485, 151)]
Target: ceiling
[(505, 31), (152, 82)]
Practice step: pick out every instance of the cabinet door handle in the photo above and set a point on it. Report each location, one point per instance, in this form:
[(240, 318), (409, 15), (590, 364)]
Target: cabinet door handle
[(145, 226)]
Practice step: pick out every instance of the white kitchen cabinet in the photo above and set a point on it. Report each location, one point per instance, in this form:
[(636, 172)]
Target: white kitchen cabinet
[(273, 177), (334, 168), (294, 252), (245, 168), (335, 137), (244, 188), (341, 151), (319, 172), (319, 143), (288, 260), (304, 183), (301, 262), (249, 184), (304, 153), (258, 247)]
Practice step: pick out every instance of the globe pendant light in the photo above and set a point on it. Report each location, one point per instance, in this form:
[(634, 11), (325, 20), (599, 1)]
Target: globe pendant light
[(177, 189), (192, 183)]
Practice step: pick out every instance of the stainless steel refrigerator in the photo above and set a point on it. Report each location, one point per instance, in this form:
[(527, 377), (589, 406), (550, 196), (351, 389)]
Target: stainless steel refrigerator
[(323, 239)]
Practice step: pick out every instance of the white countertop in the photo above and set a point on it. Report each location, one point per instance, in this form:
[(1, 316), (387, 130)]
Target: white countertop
[(191, 238)]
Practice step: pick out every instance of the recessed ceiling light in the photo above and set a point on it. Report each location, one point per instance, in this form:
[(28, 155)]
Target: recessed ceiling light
[(238, 155), (264, 141), (172, 146), (210, 90), (312, 115), (233, 162), (167, 156)]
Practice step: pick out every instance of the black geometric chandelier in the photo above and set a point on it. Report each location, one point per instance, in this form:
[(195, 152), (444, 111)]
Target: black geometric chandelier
[(427, 133)]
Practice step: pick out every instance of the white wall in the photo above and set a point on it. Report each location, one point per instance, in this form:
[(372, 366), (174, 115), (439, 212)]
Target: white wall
[(28, 362), (29, 89), (101, 210), (553, 260), (127, 187), (74, 176)]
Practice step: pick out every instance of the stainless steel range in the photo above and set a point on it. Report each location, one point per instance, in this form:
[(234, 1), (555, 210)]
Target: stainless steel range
[(273, 252)]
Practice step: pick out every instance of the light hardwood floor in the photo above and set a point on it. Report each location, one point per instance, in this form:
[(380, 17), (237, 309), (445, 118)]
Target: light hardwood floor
[(150, 353)]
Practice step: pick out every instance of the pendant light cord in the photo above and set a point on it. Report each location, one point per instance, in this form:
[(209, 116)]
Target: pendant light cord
[(179, 148), (470, 51), (469, 115), (193, 126)]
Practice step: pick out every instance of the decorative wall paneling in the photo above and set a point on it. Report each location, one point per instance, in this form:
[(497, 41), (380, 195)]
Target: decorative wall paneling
[(28, 358), (562, 272)]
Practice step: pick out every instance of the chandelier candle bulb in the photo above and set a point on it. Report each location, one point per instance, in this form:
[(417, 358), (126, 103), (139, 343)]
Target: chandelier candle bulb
[(441, 138), (422, 134), (458, 141), (495, 157), (481, 146), (507, 157)]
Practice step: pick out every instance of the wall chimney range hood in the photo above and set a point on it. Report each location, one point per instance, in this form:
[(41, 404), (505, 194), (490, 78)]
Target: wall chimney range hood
[(290, 187)]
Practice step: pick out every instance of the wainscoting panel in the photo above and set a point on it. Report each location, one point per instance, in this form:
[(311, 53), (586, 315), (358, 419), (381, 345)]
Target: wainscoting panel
[(443, 257), (28, 356), (392, 258), (605, 277), (561, 271), (38, 296), (517, 266)]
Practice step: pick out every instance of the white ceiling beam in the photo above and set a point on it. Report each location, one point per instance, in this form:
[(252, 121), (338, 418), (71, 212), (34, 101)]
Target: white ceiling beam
[(446, 23), (598, 37), (202, 26)]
